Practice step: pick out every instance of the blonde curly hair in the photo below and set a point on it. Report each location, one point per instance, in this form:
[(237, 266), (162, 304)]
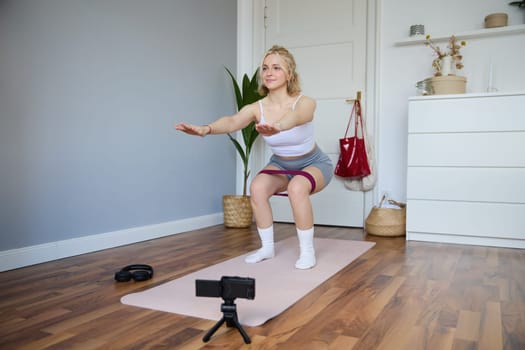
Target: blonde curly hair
[(293, 87)]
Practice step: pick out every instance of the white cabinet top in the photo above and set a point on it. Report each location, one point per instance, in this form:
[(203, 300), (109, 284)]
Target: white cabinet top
[(470, 95)]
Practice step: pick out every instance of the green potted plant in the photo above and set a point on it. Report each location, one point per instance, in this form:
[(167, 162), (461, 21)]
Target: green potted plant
[(445, 80), (237, 209)]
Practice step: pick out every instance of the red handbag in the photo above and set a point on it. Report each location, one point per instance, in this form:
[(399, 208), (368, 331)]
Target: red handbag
[(353, 161)]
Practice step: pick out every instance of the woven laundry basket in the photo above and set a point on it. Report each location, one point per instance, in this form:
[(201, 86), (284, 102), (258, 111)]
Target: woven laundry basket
[(389, 222)]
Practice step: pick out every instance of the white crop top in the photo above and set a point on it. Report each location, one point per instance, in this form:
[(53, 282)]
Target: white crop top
[(295, 142)]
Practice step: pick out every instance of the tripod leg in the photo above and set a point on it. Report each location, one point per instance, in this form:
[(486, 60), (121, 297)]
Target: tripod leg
[(229, 311), (241, 330), (213, 330)]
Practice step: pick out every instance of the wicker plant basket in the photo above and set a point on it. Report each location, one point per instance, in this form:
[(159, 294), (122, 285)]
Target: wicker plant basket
[(389, 222), (450, 84), (237, 211)]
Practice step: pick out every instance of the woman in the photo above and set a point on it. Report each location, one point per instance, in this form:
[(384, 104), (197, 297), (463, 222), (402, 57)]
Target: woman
[(285, 120)]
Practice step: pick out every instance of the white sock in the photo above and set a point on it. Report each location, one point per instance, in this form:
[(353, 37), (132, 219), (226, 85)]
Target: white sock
[(306, 245), (267, 250)]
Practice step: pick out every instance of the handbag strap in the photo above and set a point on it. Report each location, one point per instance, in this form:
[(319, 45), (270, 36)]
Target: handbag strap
[(359, 119), (350, 118), (356, 109)]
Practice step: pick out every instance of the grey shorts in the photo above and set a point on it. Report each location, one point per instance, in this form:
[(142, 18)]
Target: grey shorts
[(316, 158)]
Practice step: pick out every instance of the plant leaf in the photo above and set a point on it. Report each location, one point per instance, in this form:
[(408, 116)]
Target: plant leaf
[(245, 89), (239, 147), (248, 94), (237, 90)]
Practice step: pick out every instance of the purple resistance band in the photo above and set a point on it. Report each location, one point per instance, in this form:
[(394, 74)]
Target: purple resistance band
[(290, 172)]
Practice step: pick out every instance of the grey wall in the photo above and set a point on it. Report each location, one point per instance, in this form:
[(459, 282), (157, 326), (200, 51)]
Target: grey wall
[(89, 91)]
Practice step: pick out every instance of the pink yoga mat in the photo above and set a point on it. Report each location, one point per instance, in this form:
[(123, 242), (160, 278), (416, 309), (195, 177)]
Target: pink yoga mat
[(278, 284)]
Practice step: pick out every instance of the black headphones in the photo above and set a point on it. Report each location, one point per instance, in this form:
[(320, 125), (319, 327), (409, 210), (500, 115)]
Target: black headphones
[(138, 273)]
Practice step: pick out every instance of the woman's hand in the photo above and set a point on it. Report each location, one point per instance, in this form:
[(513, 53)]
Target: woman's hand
[(268, 129), (198, 130)]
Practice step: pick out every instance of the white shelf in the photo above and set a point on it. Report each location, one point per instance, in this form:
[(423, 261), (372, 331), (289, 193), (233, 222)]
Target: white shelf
[(479, 33)]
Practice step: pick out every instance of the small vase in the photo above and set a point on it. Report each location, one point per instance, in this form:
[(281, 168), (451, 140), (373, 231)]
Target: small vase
[(448, 66)]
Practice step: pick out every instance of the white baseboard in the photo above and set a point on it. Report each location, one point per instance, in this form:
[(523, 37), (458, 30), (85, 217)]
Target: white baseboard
[(467, 240), (20, 257)]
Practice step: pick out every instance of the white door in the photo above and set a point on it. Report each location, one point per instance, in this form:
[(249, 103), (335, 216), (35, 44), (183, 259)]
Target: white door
[(328, 41)]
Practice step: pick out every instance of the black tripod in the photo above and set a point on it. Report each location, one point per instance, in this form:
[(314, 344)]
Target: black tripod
[(229, 311)]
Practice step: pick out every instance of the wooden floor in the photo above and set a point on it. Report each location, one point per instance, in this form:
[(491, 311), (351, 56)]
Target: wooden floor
[(399, 295)]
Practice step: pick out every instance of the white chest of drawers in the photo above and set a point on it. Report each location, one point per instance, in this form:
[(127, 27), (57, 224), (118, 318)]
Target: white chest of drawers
[(466, 169)]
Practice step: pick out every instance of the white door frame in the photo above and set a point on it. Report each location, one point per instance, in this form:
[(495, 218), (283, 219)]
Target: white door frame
[(250, 48)]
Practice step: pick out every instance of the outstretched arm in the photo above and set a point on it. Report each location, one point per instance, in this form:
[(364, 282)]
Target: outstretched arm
[(223, 125), (199, 130)]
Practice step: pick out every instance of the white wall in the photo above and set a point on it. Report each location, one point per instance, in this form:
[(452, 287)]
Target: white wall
[(89, 91), (402, 66)]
